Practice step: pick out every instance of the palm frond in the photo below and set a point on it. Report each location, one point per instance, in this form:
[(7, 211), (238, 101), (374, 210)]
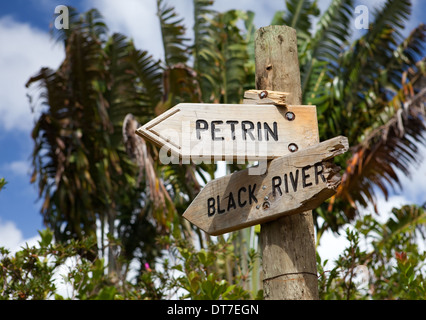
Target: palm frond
[(181, 85), (226, 57), (249, 38), (147, 82), (372, 52), (374, 163), (298, 16), (173, 35), (404, 57), (90, 23), (326, 45), (409, 219), (202, 9)]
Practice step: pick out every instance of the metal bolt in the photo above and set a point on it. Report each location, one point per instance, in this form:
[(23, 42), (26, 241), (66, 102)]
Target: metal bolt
[(293, 147), (266, 198), (263, 94), (258, 206), (290, 116), (264, 187)]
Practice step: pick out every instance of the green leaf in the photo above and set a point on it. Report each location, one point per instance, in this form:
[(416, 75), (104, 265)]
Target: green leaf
[(2, 183), (173, 35), (46, 237), (58, 297), (202, 256), (107, 293)]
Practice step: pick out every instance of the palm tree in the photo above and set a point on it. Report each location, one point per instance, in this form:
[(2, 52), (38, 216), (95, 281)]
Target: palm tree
[(80, 162), (365, 91)]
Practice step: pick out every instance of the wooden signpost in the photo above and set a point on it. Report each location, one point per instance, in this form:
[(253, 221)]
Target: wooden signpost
[(245, 132), (292, 184), (270, 125)]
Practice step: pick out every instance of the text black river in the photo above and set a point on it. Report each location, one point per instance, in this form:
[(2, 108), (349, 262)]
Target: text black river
[(286, 183)]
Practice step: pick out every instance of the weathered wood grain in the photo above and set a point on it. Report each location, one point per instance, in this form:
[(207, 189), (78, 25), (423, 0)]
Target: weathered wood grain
[(265, 97), (277, 63), (287, 244), (292, 184), (245, 132)]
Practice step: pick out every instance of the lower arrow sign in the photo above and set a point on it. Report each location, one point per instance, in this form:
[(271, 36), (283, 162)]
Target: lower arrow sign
[(292, 184)]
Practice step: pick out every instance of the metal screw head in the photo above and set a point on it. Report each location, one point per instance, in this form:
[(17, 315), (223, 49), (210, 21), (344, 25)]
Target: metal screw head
[(266, 205), (290, 116), (263, 94), (293, 147), (258, 206)]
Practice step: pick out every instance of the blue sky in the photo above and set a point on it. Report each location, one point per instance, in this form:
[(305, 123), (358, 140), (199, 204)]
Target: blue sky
[(25, 47)]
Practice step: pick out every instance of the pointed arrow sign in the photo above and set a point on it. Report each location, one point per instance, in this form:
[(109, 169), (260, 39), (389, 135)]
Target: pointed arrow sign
[(205, 132), (294, 183)]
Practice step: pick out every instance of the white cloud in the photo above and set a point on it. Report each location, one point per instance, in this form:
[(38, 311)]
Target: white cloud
[(18, 167), (24, 51), (135, 19), (11, 237), (331, 246), (414, 185), (384, 207)]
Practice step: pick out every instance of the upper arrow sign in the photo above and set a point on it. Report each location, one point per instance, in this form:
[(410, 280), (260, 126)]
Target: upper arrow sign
[(204, 132), (293, 184)]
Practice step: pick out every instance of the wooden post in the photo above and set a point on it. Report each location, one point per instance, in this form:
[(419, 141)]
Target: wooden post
[(287, 244)]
